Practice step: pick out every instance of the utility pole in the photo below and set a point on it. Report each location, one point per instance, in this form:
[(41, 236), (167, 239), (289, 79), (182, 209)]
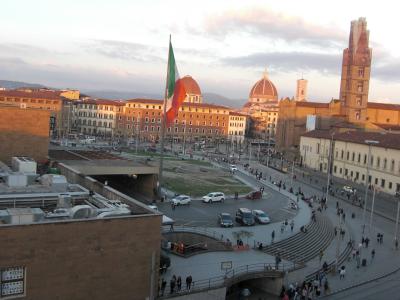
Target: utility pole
[(369, 143), (291, 181), (338, 243), (329, 169), (397, 221), (372, 208)]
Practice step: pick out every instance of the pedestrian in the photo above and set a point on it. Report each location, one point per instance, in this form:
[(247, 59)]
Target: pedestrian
[(336, 231), (171, 228), (342, 272), (396, 244), (353, 253), (173, 205), (179, 283), (366, 242), (343, 216), (272, 236), (172, 283), (378, 237), (321, 254), (282, 227), (358, 259), (381, 239), (327, 289), (291, 225), (372, 254), (163, 286), (362, 241), (189, 282)]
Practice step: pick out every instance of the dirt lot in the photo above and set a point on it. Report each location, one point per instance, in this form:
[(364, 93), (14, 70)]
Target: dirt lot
[(197, 178)]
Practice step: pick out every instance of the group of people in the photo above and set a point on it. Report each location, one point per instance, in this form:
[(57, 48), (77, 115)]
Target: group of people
[(175, 284), (307, 290)]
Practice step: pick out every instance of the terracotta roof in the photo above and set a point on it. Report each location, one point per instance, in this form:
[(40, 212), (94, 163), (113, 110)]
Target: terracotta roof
[(150, 101), (104, 102), (388, 126), (388, 106), (235, 113), (191, 86), (263, 88), (53, 95), (384, 139)]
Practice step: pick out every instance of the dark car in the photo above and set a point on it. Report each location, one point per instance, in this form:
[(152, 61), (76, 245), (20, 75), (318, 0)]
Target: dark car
[(254, 195), (225, 220), (245, 217)]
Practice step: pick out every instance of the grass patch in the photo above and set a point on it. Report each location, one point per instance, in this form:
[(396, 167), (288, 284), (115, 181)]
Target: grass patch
[(198, 162)]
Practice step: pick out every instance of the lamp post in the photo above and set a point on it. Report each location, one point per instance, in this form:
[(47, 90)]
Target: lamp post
[(338, 242), (369, 143), (330, 157), (397, 221), (372, 208)]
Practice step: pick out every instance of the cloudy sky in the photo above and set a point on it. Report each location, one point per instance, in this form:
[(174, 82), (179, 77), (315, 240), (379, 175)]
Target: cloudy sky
[(224, 44)]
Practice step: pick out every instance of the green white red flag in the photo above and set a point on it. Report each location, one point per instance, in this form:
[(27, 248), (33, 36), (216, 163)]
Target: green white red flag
[(176, 92)]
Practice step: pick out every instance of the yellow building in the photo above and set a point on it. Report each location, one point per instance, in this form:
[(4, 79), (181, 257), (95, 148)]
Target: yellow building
[(351, 150)]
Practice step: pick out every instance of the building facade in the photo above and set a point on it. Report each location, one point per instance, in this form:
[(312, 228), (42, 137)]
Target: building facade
[(262, 108), (349, 159), (237, 127)]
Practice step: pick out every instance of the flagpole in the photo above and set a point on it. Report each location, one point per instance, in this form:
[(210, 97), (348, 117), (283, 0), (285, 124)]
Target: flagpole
[(163, 124)]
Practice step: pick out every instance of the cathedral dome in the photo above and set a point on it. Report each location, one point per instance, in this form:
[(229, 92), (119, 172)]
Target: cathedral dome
[(191, 85), (264, 89)]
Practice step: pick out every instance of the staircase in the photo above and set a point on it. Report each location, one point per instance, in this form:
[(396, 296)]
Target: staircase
[(303, 247)]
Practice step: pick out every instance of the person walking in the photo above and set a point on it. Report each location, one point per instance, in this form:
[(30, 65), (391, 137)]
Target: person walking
[(163, 286), (179, 283), (282, 227), (381, 239), (272, 236), (366, 242), (172, 284), (189, 282), (372, 254), (321, 254), (291, 225), (342, 272)]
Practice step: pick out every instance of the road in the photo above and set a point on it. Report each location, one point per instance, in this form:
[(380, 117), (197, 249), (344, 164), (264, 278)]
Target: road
[(386, 288)]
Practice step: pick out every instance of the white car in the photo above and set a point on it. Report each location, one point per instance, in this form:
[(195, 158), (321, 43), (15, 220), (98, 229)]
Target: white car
[(233, 168), (349, 189), (261, 217), (214, 197), (181, 200)]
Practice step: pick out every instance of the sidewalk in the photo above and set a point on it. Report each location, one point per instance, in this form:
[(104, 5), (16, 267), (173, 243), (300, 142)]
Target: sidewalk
[(386, 258)]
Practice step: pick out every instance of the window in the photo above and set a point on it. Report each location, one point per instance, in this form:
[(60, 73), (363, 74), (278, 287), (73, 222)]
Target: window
[(384, 163), (365, 159), (383, 183), (12, 282), (353, 156), (359, 157), (390, 185), (378, 162), (360, 86), (318, 148), (342, 154), (334, 169), (361, 72), (348, 155), (392, 166)]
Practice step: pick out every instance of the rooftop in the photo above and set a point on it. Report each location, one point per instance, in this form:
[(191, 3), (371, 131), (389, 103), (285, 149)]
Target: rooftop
[(26, 197), (53, 95), (384, 139)]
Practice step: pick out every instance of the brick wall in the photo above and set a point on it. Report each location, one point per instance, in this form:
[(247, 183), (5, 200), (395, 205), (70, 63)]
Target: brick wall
[(23, 132), (95, 259)]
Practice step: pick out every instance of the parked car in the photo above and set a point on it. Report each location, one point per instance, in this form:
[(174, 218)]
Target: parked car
[(225, 220), (245, 217), (260, 216), (214, 197), (233, 168), (181, 200), (349, 189), (254, 195)]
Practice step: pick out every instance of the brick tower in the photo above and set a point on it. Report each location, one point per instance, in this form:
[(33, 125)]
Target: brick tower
[(356, 68)]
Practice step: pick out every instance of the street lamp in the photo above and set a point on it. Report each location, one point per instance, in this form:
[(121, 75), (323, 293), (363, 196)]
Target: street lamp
[(369, 143), (397, 220), (372, 207), (330, 157)]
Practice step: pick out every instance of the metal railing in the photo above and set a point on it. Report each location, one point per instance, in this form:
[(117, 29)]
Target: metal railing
[(233, 276), (194, 229)]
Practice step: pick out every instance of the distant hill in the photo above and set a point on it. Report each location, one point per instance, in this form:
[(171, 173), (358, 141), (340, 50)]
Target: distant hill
[(8, 84), (110, 94), (221, 100)]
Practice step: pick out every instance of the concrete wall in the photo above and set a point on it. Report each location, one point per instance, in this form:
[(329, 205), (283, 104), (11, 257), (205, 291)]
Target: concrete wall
[(24, 132), (216, 294), (269, 285), (88, 259)]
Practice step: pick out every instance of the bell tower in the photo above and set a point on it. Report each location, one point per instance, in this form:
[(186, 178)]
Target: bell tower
[(356, 70)]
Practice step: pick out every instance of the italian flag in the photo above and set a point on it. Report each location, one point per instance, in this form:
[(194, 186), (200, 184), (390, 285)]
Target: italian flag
[(176, 92)]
